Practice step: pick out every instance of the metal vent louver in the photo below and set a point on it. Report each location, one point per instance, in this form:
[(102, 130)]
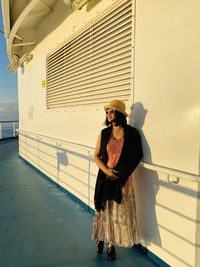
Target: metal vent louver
[(95, 66)]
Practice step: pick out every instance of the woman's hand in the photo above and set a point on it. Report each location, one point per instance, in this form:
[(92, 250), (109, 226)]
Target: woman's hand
[(108, 171), (111, 174)]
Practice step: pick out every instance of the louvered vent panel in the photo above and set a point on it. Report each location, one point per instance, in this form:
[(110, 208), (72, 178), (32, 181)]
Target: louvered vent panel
[(95, 66)]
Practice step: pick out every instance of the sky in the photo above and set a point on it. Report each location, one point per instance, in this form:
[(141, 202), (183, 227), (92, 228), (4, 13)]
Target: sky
[(8, 80)]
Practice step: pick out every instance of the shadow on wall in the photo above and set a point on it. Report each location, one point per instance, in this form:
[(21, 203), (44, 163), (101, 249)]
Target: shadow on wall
[(198, 229), (137, 118), (146, 188), (146, 185), (61, 160), (91, 4), (53, 160)]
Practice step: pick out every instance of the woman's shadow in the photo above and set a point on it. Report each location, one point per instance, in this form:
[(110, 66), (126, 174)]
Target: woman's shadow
[(146, 184)]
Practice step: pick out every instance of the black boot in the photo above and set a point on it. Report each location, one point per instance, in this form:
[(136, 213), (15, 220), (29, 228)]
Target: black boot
[(111, 254), (99, 246)]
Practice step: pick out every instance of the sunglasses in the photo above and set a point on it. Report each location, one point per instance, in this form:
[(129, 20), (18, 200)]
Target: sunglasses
[(110, 111)]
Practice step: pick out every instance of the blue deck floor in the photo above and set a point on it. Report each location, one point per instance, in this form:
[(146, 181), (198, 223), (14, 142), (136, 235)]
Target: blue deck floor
[(41, 226)]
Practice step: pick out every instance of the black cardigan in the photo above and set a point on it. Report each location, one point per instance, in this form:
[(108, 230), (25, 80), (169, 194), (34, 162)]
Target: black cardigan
[(130, 157)]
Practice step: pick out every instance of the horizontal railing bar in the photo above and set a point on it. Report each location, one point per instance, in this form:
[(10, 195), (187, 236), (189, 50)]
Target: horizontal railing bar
[(153, 167), (169, 171), (7, 121), (56, 139)]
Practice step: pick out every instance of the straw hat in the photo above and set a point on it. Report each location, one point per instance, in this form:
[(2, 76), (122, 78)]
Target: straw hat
[(117, 105)]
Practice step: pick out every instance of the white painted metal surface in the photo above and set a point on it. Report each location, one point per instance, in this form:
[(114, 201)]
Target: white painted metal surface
[(164, 105), (78, 4)]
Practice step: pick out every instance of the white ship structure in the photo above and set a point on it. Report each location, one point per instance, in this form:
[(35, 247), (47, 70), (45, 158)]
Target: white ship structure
[(74, 56)]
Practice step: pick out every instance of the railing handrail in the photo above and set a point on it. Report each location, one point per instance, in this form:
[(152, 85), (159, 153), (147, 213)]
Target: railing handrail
[(170, 171), (9, 121), (149, 166), (58, 139)]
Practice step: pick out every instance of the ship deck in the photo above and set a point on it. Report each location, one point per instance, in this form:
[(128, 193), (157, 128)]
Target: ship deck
[(42, 226)]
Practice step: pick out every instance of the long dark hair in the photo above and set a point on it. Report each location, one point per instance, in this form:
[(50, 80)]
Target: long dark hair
[(120, 119)]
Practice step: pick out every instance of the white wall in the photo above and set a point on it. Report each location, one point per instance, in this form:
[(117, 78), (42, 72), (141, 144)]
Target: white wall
[(166, 110), (167, 217), (167, 81), (167, 84)]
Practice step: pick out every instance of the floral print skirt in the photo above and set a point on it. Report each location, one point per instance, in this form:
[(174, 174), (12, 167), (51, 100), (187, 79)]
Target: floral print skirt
[(117, 222)]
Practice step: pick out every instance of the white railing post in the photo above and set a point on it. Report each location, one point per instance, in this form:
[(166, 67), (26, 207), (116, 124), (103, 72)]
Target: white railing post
[(13, 128), (0, 130)]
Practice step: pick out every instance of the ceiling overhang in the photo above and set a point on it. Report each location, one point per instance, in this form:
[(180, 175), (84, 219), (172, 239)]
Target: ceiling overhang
[(22, 20)]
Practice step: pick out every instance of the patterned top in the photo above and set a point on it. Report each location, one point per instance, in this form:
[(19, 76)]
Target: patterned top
[(114, 149)]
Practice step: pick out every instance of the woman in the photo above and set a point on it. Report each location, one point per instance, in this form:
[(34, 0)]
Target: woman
[(117, 154)]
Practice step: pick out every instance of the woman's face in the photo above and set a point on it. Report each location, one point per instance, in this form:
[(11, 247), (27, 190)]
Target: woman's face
[(110, 114)]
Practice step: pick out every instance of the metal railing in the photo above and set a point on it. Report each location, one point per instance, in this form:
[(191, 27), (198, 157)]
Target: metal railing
[(8, 129), (178, 174)]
